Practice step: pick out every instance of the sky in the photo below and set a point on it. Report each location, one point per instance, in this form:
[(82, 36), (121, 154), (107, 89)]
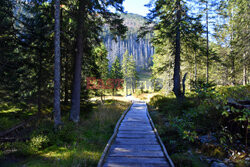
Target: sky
[(136, 6)]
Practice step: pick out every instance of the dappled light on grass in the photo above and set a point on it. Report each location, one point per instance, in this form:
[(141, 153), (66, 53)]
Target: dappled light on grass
[(13, 114), (73, 145)]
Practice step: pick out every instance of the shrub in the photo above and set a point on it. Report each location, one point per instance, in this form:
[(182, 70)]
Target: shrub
[(39, 142)]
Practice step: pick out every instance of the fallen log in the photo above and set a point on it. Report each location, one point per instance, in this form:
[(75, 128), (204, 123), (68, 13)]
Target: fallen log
[(20, 125)]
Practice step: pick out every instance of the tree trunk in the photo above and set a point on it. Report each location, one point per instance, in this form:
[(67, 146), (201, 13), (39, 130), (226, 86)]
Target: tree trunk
[(233, 71), (183, 84), (102, 98), (195, 66), (39, 83), (57, 109), (66, 84), (75, 106), (244, 70), (177, 86), (126, 87), (207, 71)]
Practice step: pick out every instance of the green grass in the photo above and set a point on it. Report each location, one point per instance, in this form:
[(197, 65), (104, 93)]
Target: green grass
[(73, 145), (12, 114)]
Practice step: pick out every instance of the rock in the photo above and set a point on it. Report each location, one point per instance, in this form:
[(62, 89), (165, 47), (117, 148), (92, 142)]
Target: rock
[(167, 124), (209, 160), (218, 164), (207, 139), (190, 152), (247, 159), (226, 160)]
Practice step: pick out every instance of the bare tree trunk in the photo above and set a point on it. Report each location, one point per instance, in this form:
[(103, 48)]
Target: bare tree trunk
[(75, 106), (177, 86), (244, 70), (207, 70), (126, 87), (183, 84), (227, 75), (101, 98), (39, 83), (57, 109), (66, 84), (195, 66), (233, 71)]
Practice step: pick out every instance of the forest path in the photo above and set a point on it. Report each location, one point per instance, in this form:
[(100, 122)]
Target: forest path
[(135, 142)]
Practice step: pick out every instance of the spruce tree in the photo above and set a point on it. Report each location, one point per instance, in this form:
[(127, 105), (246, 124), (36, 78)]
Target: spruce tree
[(90, 19), (116, 73), (173, 23)]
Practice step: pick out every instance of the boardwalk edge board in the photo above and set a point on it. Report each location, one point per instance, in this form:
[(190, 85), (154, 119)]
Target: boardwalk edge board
[(108, 145), (160, 141)]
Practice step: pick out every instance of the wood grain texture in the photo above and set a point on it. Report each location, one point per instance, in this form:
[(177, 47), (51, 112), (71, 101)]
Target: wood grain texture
[(135, 143)]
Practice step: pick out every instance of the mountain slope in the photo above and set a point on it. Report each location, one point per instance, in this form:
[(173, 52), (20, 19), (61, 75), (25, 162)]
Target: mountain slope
[(142, 49)]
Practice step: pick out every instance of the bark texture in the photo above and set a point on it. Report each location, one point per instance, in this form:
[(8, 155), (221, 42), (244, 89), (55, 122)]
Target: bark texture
[(57, 109), (177, 86), (75, 101)]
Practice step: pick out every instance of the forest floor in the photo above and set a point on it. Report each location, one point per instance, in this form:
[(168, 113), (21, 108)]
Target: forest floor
[(73, 145), (196, 140)]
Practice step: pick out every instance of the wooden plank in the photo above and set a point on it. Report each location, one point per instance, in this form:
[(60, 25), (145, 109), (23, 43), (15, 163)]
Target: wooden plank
[(138, 160), (135, 147), (148, 154), (136, 126), (137, 131), (135, 122), (135, 141), (135, 135), (113, 164)]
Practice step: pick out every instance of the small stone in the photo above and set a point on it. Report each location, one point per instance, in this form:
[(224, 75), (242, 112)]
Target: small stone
[(226, 160), (218, 164), (207, 139), (209, 160), (190, 152), (167, 124)]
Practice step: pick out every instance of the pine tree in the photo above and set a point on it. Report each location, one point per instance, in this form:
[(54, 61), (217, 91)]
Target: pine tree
[(89, 27), (8, 44), (172, 22), (116, 73), (233, 38), (101, 54), (131, 72)]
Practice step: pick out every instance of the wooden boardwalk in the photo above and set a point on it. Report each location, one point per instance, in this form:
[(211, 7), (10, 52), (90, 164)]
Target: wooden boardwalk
[(135, 142)]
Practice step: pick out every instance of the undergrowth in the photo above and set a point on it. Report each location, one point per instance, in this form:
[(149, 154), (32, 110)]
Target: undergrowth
[(72, 145), (204, 112)]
